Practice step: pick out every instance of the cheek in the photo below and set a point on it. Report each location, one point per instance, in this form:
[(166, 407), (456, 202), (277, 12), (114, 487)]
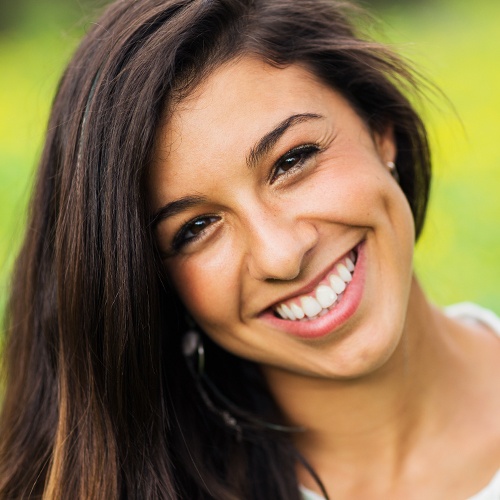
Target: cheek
[(208, 284), (361, 194)]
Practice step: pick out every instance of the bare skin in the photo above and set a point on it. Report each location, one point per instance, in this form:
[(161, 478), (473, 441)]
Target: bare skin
[(399, 402), (423, 426)]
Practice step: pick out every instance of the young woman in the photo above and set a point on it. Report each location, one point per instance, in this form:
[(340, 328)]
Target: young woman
[(215, 297)]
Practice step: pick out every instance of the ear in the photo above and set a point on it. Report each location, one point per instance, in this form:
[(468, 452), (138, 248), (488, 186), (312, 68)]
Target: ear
[(385, 143)]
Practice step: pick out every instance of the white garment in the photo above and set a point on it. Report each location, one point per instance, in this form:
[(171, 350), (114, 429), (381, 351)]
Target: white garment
[(472, 313)]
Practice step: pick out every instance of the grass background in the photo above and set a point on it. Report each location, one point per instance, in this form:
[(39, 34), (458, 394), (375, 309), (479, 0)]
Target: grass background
[(456, 43), (453, 42)]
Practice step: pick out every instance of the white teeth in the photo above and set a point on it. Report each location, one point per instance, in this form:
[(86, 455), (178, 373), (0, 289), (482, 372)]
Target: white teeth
[(325, 296), (297, 311), (310, 306), (349, 264), (336, 283), (279, 310), (343, 272), (288, 312)]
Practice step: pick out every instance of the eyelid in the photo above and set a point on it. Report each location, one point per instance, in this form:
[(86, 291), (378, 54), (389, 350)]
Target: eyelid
[(311, 149), (178, 243)]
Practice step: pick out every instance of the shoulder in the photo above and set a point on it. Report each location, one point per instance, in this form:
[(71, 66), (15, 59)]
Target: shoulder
[(310, 495), (491, 492), (472, 313)]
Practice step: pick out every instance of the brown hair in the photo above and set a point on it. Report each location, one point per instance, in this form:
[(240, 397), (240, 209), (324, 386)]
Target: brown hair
[(98, 400)]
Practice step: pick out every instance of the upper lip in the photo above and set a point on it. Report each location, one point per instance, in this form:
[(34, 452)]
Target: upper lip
[(309, 287)]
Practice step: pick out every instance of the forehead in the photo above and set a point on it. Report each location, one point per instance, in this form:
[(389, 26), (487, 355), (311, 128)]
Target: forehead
[(240, 89), (228, 112)]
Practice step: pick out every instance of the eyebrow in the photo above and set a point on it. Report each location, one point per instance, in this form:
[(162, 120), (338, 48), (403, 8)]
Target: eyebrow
[(263, 146), (175, 207), (271, 138)]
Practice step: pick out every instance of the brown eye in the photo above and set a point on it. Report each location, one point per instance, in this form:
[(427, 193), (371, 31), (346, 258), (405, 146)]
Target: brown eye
[(291, 162), (193, 230), (295, 158), (197, 226)]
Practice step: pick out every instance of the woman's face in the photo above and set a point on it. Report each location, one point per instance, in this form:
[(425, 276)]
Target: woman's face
[(266, 182)]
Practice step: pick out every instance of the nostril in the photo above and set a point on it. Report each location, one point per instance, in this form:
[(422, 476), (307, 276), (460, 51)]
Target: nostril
[(278, 249)]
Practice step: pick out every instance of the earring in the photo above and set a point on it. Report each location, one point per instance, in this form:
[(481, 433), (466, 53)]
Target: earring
[(192, 345), (394, 171)]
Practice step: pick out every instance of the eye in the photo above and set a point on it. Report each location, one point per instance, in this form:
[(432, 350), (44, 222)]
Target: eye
[(294, 159), (192, 231)]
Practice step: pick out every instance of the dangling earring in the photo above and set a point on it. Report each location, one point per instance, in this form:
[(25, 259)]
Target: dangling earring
[(394, 171), (194, 353), (192, 345)]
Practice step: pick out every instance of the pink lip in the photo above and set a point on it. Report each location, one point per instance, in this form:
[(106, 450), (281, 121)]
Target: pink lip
[(324, 325)]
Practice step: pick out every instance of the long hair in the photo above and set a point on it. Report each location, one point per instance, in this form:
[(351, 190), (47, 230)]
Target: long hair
[(98, 401)]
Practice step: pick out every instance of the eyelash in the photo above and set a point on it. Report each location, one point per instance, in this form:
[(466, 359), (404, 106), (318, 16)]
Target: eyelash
[(303, 153), (181, 239), (297, 156)]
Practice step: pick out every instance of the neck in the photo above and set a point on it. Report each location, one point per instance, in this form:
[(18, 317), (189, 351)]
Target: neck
[(380, 415)]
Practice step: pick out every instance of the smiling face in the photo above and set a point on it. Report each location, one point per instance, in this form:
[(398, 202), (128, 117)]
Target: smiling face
[(274, 201)]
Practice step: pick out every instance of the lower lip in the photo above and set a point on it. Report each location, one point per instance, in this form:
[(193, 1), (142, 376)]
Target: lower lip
[(340, 314)]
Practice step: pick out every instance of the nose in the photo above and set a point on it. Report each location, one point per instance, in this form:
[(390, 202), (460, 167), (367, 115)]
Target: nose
[(277, 245)]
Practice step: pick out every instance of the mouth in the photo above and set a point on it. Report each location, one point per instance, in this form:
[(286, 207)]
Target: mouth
[(325, 296), (326, 306)]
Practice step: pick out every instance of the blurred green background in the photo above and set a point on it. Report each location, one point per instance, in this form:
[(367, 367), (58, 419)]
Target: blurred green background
[(455, 43)]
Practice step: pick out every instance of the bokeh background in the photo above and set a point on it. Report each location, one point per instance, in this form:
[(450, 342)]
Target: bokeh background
[(455, 43)]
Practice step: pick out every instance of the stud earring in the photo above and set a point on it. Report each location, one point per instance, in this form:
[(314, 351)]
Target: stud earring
[(394, 171)]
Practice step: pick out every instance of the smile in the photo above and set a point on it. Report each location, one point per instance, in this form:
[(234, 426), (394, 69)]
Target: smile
[(325, 297)]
